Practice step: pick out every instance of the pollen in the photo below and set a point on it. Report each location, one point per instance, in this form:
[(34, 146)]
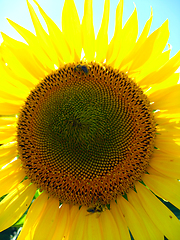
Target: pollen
[(86, 133)]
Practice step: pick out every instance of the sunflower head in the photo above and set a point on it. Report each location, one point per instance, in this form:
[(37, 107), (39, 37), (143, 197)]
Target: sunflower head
[(91, 127), (86, 133)]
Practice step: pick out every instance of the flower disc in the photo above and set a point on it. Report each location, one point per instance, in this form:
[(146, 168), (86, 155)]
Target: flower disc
[(86, 133)]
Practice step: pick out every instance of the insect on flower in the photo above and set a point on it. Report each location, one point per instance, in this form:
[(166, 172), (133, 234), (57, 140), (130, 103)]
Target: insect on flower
[(83, 68), (96, 209)]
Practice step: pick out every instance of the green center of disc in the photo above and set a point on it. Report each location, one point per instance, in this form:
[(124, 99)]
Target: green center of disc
[(75, 127)]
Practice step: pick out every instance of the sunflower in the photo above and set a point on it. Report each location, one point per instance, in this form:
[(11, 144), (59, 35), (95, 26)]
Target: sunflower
[(89, 130)]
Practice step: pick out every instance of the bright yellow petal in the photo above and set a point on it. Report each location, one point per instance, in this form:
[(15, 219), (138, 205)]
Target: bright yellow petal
[(166, 99), (93, 228), (152, 47), (166, 188), (153, 171), (151, 66), (11, 96), (168, 147), (77, 229), (162, 217), (133, 219), (34, 212), (15, 204), (114, 46), (109, 227), (5, 149), (23, 54), (10, 168), (46, 225), (167, 165), (164, 72), (7, 121), (58, 39), (6, 133), (17, 68), (72, 29), (137, 48), (42, 36), (153, 231), (8, 157), (11, 85), (11, 180), (128, 38), (62, 222), (88, 35), (9, 109), (120, 221), (171, 81), (102, 37), (41, 57)]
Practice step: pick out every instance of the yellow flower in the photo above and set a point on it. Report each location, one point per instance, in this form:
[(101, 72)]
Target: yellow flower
[(91, 126)]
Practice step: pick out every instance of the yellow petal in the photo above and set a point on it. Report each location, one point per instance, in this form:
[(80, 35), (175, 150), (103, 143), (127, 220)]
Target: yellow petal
[(71, 28), (7, 121), (62, 222), (9, 96), (144, 52), (169, 166), (153, 231), (23, 54), (162, 217), (15, 204), (110, 229), (151, 66), (164, 72), (9, 109), (8, 157), (166, 188), (133, 219), (145, 31), (93, 228), (77, 229), (9, 140), (11, 180), (152, 47), (120, 221), (43, 36), (153, 171), (167, 129), (5, 149), (10, 168), (166, 99), (34, 212), (74, 210), (136, 50), (114, 46), (169, 147), (88, 35), (128, 38), (171, 81), (102, 37), (7, 133), (58, 39), (42, 59), (48, 221), (8, 128), (11, 85), (17, 69)]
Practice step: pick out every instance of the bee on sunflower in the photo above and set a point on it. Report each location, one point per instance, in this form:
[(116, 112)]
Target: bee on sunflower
[(92, 127)]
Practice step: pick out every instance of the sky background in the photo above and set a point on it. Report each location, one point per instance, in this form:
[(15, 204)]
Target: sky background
[(17, 11)]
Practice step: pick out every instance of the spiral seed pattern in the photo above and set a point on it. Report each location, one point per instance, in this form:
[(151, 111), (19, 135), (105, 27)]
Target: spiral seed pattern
[(86, 134)]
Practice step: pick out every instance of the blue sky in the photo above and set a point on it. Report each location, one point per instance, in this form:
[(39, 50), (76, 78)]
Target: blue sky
[(17, 11)]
